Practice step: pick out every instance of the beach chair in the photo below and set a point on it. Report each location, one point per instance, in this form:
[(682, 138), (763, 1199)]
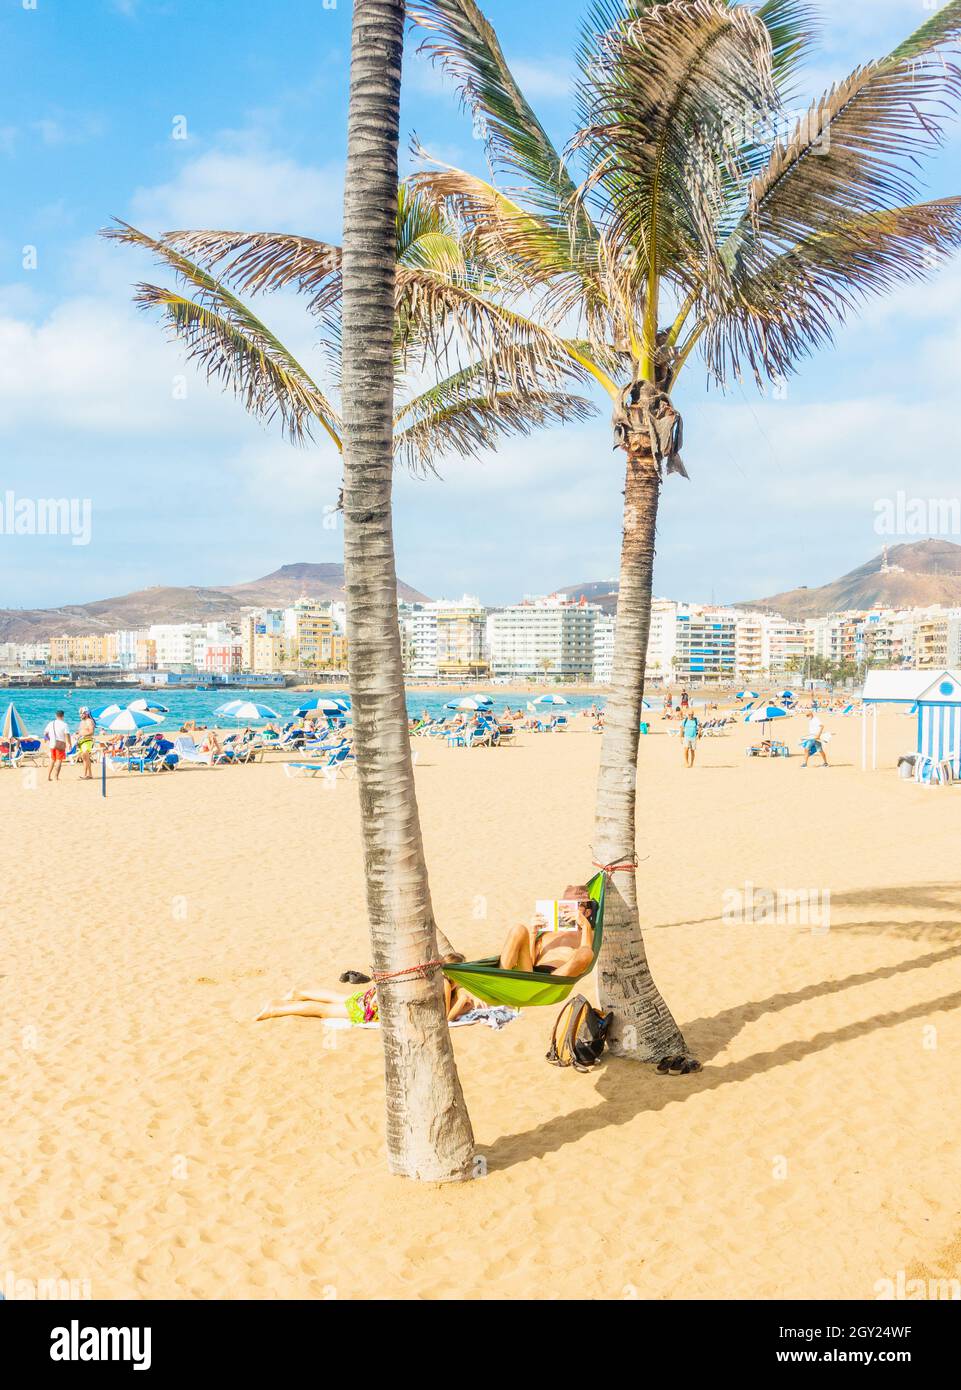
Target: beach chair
[(189, 755), (303, 770), (340, 763)]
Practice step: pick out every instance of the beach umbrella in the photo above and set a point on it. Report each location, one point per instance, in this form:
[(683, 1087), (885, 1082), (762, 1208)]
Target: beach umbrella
[(13, 725), (763, 713), (149, 705), (746, 695), (477, 702), (323, 704), (550, 700), (246, 709), (127, 721), (106, 711)]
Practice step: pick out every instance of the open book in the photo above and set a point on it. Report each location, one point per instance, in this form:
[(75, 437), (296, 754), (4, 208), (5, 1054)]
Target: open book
[(557, 914)]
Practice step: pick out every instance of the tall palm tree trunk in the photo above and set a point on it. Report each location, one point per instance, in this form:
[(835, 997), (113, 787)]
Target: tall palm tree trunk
[(643, 1027), (428, 1130)]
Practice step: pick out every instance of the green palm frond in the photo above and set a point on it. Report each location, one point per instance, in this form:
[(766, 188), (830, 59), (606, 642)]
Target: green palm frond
[(455, 320), (468, 50), (231, 345), (658, 144), (528, 254)]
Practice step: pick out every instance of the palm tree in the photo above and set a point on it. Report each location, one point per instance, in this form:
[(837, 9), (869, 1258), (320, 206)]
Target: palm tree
[(400, 261), (429, 1132), (679, 222)]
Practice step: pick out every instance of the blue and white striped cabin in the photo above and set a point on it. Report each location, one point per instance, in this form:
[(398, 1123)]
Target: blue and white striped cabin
[(939, 720)]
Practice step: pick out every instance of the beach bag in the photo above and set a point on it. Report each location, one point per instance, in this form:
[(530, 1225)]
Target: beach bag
[(579, 1034)]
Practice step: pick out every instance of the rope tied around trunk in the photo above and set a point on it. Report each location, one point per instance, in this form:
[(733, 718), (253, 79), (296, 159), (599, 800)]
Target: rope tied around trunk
[(423, 971), (623, 867)]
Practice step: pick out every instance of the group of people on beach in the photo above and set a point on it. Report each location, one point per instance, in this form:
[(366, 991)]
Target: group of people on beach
[(58, 739)]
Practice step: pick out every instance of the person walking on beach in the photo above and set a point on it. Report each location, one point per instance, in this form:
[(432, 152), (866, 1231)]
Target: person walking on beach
[(85, 732), (56, 735), (690, 731), (814, 743)]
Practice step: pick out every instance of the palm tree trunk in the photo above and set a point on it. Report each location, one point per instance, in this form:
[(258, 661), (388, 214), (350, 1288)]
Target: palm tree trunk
[(644, 1027), (428, 1130)]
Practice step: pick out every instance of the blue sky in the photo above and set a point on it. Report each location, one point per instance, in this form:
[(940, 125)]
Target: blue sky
[(190, 490)]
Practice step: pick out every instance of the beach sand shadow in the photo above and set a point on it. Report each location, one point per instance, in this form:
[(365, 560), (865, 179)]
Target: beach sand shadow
[(629, 1089)]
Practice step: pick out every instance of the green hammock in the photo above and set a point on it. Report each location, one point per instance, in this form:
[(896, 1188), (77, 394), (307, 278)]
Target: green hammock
[(519, 989)]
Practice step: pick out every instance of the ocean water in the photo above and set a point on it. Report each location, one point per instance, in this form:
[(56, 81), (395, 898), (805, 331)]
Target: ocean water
[(37, 705)]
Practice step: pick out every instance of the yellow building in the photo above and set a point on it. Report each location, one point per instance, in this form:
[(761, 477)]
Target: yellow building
[(460, 642), (89, 649), (146, 654), (271, 653), (313, 637)]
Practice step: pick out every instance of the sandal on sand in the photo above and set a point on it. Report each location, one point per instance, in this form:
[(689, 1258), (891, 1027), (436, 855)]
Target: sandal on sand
[(678, 1066)]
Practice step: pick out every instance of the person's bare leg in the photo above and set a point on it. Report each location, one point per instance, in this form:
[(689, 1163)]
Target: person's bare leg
[(317, 993), (462, 1003), (302, 1008), (516, 951), (577, 963)]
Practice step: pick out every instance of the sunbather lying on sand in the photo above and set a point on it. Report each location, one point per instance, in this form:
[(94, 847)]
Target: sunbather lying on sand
[(359, 1006), (536, 948)]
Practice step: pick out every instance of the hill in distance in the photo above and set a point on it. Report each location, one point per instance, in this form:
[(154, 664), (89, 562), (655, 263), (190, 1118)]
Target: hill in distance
[(603, 592), (162, 604), (914, 575)]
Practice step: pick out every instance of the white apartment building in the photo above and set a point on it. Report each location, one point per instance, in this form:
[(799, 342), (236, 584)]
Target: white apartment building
[(541, 637), (420, 635), (749, 647), (662, 640), (175, 643), (784, 645), (602, 664)]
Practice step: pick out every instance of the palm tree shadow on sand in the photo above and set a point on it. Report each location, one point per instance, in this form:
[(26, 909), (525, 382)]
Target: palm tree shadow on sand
[(628, 1090)]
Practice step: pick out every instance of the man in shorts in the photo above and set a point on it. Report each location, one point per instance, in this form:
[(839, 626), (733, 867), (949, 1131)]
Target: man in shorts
[(690, 729), (814, 743), (57, 737)]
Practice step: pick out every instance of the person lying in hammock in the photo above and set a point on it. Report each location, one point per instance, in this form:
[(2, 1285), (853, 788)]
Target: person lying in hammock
[(536, 948), (359, 1006)]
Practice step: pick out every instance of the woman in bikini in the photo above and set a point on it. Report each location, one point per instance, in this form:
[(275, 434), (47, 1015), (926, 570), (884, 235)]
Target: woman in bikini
[(360, 1006)]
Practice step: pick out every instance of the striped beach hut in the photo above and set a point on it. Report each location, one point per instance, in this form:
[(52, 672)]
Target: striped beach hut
[(939, 720), (890, 688)]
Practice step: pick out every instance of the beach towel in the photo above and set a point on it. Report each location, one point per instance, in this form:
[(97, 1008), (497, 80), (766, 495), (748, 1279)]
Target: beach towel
[(496, 1018)]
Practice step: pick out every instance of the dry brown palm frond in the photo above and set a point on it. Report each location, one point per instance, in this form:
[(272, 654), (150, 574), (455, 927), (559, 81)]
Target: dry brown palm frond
[(471, 424), (227, 341), (260, 262), (796, 301)]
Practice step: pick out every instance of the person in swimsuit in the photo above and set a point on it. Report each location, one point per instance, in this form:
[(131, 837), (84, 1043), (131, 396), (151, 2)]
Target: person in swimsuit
[(360, 1006), (85, 732), (535, 948)]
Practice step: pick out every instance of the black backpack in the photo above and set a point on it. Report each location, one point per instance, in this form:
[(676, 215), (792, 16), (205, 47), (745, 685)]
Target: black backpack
[(579, 1035)]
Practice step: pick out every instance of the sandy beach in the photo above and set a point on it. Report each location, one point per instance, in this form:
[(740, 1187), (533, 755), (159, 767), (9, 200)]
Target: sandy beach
[(160, 1144)]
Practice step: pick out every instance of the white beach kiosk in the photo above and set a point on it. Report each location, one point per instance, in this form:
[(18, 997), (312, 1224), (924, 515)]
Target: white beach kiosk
[(936, 697)]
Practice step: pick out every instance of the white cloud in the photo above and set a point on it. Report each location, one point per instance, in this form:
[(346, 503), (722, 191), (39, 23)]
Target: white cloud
[(98, 366), (249, 190), (544, 79)]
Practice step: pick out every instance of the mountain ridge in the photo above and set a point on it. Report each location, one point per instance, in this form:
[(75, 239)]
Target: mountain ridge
[(162, 603)]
